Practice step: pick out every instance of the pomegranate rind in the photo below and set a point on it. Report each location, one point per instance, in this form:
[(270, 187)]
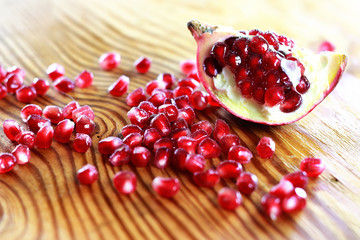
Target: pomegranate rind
[(323, 71)]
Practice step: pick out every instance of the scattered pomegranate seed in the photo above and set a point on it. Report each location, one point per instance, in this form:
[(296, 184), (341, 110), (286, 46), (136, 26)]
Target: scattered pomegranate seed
[(203, 124), (27, 138), (63, 131), (30, 109), (266, 147), (227, 141), (41, 86), (82, 142), (54, 71), (179, 123), (125, 182), (209, 148), (26, 94), (121, 155), (162, 157), (64, 84), (119, 87), (22, 154), (142, 64), (274, 96), (3, 91), (69, 108), (140, 156), (229, 169), (151, 135), (221, 129), (2, 73), (35, 122), (240, 154), (131, 128), (84, 110), (168, 79), (229, 199), (11, 129), (282, 189), (149, 107), (15, 70), (187, 114), (170, 111), (326, 46), (53, 113), (298, 179), (199, 135), (44, 137), (88, 174), (13, 82), (312, 166), (138, 117), (84, 79), (84, 125), (136, 97), (187, 143), (188, 82), (272, 206), (199, 100), (166, 187), (157, 98), (195, 163), (179, 159), (182, 102), (208, 178), (181, 132), (108, 145), (109, 60), (188, 66), (163, 142), (181, 91), (7, 162), (294, 201), (162, 124), (247, 183), (133, 140)]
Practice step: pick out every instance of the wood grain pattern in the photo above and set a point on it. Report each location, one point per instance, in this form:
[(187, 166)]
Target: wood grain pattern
[(43, 200)]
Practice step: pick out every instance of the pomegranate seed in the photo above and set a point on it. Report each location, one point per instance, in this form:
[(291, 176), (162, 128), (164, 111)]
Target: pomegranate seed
[(35, 122), (135, 97), (84, 79), (13, 82), (227, 141), (266, 147), (312, 166), (26, 138), (131, 128), (149, 107), (179, 159), (3, 91), (298, 179), (179, 123), (53, 113), (188, 66), (84, 125), (162, 157), (204, 124), (209, 178), (212, 102), (151, 135), (199, 135), (44, 137), (199, 100), (11, 129), (30, 109), (15, 70), (294, 201), (187, 114), (108, 145), (121, 155), (54, 71), (167, 78), (274, 96), (272, 206), (221, 129), (88, 174), (163, 143), (41, 86), (140, 156), (125, 182), (133, 140), (195, 163), (187, 143), (229, 169), (154, 84), (170, 111), (82, 142), (7, 162), (181, 132), (218, 51), (142, 65), (271, 61), (119, 87), (157, 98), (259, 45), (292, 102), (64, 84), (63, 131), (162, 124), (22, 154), (26, 94), (326, 46), (240, 154), (233, 59), (303, 85), (182, 102), (84, 110), (181, 91), (2, 73), (188, 82), (109, 60), (69, 108), (166, 187), (229, 199), (247, 183), (209, 148), (282, 189)]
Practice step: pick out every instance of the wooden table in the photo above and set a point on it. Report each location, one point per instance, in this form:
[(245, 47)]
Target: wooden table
[(43, 200)]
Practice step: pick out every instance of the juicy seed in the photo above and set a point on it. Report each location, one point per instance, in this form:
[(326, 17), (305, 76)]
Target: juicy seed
[(44, 137), (63, 131), (53, 113), (22, 154), (162, 124), (84, 125), (292, 102), (166, 187), (26, 94), (218, 51), (27, 138), (188, 66), (142, 64), (88, 174), (125, 182), (227, 141), (119, 87), (209, 178), (7, 162), (84, 79), (282, 189), (221, 128), (274, 96), (69, 108), (211, 67), (294, 201), (203, 124), (187, 143), (84, 110), (209, 148), (121, 156), (170, 111), (188, 82), (199, 100), (168, 79), (229, 169), (138, 117), (13, 82), (108, 145), (271, 206), (298, 179), (179, 159), (64, 84), (133, 140), (140, 156), (151, 135), (162, 157), (54, 71), (35, 122), (240, 154), (30, 109), (229, 199), (82, 142), (163, 143), (3, 91), (11, 129), (187, 114), (312, 166), (195, 163), (136, 97), (131, 128), (247, 183), (109, 60), (266, 148)]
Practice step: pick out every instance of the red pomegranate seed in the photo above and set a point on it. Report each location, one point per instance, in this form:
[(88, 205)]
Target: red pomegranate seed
[(212, 102), (240, 154), (26, 138), (84, 79), (69, 108), (274, 96), (64, 84), (54, 71), (195, 163), (53, 113), (179, 159), (271, 61), (108, 145), (326, 46), (140, 156), (163, 143), (131, 128), (125, 182), (242, 46), (312, 166), (16, 70), (7, 162), (63, 131), (247, 183), (187, 143), (11, 129), (271, 206), (208, 178), (2, 73), (187, 114), (30, 109), (179, 123), (246, 87), (170, 111), (188, 66), (259, 45), (166, 187), (229, 199), (303, 85), (168, 79), (282, 189), (182, 102), (162, 124), (149, 107), (183, 91), (35, 122), (218, 51), (151, 135), (3, 91), (188, 82), (26, 94), (294, 201), (233, 59), (22, 154), (109, 60), (142, 65), (162, 157), (157, 98), (154, 84), (180, 132), (298, 179), (227, 141), (41, 86), (44, 137), (82, 142), (209, 148), (221, 129), (199, 100), (84, 110), (203, 124), (88, 174), (121, 156), (84, 125), (292, 102), (119, 87), (136, 97), (266, 147), (229, 169), (133, 140), (199, 135), (13, 82)]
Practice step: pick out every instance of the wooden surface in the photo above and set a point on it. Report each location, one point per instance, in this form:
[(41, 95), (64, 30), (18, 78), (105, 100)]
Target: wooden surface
[(43, 200)]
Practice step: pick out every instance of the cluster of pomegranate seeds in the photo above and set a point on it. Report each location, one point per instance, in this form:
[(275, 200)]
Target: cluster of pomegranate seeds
[(263, 66)]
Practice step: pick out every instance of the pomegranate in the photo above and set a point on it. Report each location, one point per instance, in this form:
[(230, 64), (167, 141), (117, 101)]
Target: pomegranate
[(261, 76)]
